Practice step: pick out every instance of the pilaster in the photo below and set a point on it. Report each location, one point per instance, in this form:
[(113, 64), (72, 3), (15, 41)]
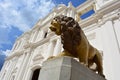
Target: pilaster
[(57, 48), (34, 36), (40, 35), (10, 69), (51, 48), (23, 67), (27, 67), (20, 61)]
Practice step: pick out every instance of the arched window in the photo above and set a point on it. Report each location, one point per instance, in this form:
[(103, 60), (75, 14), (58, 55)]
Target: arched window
[(35, 75)]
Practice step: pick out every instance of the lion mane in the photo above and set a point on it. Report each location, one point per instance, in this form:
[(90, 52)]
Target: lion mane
[(70, 36), (75, 42)]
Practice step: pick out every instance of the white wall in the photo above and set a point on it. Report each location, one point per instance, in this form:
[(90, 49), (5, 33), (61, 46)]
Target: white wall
[(104, 38)]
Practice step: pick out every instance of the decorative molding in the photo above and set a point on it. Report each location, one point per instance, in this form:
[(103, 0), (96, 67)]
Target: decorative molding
[(38, 57)]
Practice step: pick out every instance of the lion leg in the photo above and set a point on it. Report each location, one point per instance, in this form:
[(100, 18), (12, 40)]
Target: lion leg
[(84, 61), (83, 58), (98, 61)]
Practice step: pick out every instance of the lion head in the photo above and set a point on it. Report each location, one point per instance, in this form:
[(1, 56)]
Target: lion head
[(55, 26), (61, 23)]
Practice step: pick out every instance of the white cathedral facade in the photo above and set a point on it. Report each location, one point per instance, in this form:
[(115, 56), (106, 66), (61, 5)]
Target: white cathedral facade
[(32, 48)]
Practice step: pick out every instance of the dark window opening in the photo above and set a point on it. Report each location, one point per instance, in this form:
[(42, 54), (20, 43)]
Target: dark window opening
[(45, 35), (35, 74)]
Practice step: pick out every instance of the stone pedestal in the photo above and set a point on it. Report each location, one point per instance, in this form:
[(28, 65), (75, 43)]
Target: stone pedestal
[(66, 68)]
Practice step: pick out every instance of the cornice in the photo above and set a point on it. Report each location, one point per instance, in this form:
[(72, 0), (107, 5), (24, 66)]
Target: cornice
[(41, 42), (15, 53)]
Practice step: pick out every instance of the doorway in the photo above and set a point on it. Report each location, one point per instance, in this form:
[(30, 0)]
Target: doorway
[(35, 74)]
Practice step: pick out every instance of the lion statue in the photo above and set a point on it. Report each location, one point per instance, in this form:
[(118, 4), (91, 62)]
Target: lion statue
[(75, 42)]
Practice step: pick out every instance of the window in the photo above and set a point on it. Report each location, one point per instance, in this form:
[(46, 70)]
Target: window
[(45, 35)]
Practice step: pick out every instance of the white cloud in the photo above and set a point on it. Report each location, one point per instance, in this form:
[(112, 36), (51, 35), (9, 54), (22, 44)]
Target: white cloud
[(7, 52), (23, 13)]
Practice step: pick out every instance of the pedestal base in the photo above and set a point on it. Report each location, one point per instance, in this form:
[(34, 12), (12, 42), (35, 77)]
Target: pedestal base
[(66, 68)]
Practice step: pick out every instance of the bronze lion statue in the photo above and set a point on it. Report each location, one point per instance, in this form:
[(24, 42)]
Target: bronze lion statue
[(75, 42)]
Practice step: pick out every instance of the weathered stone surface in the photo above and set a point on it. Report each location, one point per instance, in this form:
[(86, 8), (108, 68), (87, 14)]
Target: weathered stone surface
[(66, 68)]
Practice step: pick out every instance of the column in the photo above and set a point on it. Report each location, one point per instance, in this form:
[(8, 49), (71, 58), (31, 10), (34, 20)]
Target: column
[(27, 69), (20, 61), (23, 68), (13, 48), (34, 36), (68, 12), (10, 69), (57, 48), (13, 67), (23, 43), (40, 35), (50, 49), (31, 36), (71, 13), (49, 32), (17, 45)]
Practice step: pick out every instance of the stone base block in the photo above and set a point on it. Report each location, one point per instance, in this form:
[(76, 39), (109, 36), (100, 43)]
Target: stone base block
[(66, 68)]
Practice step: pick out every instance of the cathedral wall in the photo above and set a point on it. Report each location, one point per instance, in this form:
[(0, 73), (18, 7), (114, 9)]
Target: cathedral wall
[(35, 46)]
